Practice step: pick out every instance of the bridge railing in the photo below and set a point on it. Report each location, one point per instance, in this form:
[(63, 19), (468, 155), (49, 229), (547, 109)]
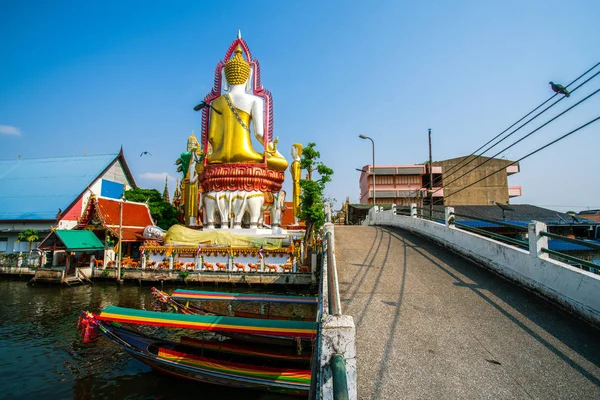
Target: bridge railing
[(527, 263), (335, 373), (572, 260)]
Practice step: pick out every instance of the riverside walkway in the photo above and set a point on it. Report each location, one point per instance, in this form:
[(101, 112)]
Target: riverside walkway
[(432, 325)]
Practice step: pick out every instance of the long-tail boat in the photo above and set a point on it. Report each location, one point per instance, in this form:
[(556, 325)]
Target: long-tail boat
[(228, 363), (263, 306), (209, 362)]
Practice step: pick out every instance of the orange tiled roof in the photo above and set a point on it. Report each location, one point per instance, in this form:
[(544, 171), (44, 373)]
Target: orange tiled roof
[(136, 217), (134, 214)]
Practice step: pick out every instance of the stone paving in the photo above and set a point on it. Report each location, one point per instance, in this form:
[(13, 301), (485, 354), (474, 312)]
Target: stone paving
[(431, 325)]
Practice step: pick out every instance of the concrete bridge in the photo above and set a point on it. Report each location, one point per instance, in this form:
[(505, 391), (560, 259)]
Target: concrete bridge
[(432, 325), (431, 311)]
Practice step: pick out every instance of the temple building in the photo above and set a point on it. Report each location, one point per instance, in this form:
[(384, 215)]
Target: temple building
[(54, 192)]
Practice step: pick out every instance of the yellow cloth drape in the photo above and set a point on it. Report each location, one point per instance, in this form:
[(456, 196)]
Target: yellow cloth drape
[(180, 235)]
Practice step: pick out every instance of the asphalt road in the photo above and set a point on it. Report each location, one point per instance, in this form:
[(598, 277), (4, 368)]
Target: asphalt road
[(431, 325)]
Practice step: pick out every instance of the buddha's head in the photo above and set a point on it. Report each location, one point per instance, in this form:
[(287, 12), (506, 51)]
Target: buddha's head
[(237, 70), (296, 151), (192, 143)]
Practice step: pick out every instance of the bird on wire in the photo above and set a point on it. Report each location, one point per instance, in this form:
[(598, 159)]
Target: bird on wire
[(558, 88), (145, 152)]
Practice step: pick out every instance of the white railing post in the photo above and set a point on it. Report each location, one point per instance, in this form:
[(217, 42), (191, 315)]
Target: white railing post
[(536, 240), (413, 210), (449, 216), (393, 209)]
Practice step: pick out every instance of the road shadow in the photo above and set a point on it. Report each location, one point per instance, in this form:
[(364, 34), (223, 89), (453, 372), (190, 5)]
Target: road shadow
[(576, 334)]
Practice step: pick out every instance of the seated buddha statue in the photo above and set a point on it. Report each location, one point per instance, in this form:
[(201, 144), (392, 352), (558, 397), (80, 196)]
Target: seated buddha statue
[(231, 116)]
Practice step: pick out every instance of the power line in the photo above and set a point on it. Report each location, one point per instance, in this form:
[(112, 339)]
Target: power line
[(526, 136), (537, 115), (528, 155), (464, 162)]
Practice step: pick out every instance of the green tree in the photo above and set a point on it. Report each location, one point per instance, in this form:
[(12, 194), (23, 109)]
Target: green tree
[(28, 235), (312, 200), (163, 213)]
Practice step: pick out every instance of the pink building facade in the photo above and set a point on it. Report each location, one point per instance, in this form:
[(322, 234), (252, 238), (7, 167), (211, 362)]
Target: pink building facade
[(406, 184), (398, 184)]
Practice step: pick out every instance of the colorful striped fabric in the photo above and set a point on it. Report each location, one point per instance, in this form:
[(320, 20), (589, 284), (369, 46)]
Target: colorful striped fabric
[(187, 295), (225, 347), (297, 377), (269, 327)]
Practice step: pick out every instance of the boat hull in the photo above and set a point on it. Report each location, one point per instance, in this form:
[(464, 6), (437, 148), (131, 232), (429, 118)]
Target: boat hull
[(139, 345)]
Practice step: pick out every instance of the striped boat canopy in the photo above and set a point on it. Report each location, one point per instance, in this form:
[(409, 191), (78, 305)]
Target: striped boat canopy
[(187, 295), (269, 327)]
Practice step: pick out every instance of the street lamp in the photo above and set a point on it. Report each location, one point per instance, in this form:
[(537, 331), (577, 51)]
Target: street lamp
[(373, 144)]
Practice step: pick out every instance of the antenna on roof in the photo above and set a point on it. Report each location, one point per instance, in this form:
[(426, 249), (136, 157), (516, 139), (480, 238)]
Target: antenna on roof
[(561, 218)]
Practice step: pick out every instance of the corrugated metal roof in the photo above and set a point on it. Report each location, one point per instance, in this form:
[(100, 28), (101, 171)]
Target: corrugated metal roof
[(484, 224), (561, 245), (34, 189)]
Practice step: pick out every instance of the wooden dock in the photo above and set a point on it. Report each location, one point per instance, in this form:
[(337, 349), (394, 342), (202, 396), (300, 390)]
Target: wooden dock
[(200, 277), (141, 276), (59, 276)]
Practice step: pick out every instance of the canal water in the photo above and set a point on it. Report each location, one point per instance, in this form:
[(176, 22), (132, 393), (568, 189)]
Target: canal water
[(42, 356)]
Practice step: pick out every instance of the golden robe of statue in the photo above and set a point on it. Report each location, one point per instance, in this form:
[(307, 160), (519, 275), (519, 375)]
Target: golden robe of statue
[(296, 173), (228, 138)]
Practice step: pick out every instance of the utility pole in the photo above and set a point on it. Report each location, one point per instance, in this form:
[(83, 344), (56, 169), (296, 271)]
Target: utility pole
[(373, 168), (430, 179), (120, 258), (374, 197)]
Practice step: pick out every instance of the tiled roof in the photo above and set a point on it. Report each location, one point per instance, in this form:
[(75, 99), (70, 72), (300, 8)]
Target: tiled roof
[(593, 215), (35, 189), (136, 216)]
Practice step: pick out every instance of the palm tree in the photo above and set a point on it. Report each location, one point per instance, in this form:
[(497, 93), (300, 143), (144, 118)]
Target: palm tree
[(28, 235)]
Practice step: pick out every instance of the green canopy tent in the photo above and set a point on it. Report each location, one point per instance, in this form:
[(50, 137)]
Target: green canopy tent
[(71, 241)]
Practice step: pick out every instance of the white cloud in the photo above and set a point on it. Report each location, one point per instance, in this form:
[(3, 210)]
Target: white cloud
[(9, 130), (156, 176)]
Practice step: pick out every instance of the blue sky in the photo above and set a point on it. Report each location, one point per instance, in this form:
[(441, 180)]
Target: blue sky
[(88, 77)]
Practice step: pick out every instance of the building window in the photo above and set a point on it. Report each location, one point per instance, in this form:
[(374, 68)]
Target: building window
[(22, 246), (384, 180), (3, 245), (407, 179)]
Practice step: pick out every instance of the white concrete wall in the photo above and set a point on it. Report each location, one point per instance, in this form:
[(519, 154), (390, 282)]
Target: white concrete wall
[(115, 173), (574, 289)]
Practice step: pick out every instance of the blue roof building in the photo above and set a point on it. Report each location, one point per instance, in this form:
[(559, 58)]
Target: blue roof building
[(43, 192)]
